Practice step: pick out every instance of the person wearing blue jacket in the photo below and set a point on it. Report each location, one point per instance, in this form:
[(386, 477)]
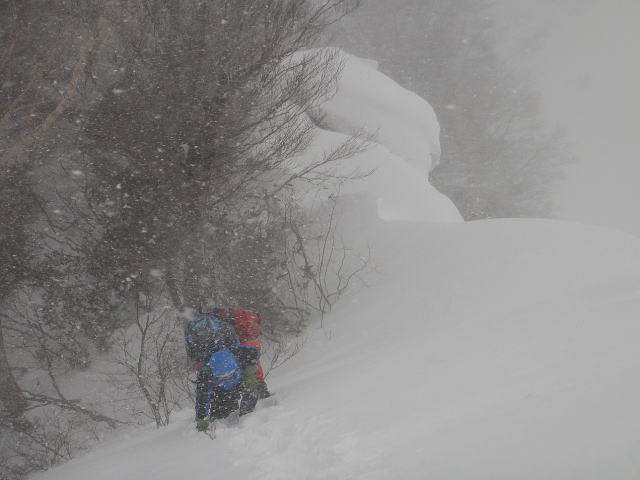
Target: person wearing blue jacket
[(213, 345)]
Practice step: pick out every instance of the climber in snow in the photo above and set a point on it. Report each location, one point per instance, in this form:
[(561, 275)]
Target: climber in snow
[(225, 349)]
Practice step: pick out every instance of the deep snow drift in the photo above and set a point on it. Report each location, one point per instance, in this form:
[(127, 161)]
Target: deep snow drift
[(406, 147), (502, 349)]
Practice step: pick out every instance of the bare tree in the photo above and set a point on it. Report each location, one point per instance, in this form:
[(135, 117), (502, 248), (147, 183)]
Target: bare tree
[(206, 107), (41, 67), (321, 266), (50, 424), (171, 125), (151, 355)]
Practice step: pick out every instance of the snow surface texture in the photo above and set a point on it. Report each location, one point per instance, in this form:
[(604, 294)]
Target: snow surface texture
[(503, 349)]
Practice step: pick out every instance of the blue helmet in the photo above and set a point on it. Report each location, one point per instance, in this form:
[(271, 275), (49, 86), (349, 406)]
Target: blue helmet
[(225, 370)]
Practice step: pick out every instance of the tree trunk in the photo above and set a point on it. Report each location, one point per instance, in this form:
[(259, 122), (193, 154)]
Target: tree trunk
[(11, 396)]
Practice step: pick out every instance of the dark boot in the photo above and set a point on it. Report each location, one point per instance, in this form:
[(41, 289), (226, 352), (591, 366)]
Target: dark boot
[(202, 424), (263, 391), (248, 402)]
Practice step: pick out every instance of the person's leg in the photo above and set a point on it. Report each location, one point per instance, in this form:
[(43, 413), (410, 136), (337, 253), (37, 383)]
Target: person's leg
[(263, 391), (203, 398), (248, 402), (224, 402), (204, 391)]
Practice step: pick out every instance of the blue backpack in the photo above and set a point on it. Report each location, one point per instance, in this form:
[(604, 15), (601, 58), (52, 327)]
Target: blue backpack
[(207, 334), (224, 369)]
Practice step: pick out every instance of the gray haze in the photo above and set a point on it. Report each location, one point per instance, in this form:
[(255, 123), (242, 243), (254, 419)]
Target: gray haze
[(586, 66)]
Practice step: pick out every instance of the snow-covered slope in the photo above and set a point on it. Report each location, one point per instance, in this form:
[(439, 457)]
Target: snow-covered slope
[(502, 349)]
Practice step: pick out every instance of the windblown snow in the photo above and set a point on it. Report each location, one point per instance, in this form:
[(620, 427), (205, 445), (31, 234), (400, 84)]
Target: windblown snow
[(502, 349)]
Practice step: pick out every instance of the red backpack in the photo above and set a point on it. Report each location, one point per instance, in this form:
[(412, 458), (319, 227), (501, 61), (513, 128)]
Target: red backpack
[(248, 326)]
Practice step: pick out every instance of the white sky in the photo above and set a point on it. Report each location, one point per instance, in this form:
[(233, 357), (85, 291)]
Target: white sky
[(587, 68)]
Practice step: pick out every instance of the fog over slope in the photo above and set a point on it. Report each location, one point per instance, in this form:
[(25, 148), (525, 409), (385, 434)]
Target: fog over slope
[(578, 57), (494, 349), (583, 64)]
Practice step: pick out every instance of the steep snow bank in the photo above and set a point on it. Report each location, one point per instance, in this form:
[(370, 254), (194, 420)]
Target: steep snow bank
[(405, 134), (399, 191), (503, 349), (367, 100)]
